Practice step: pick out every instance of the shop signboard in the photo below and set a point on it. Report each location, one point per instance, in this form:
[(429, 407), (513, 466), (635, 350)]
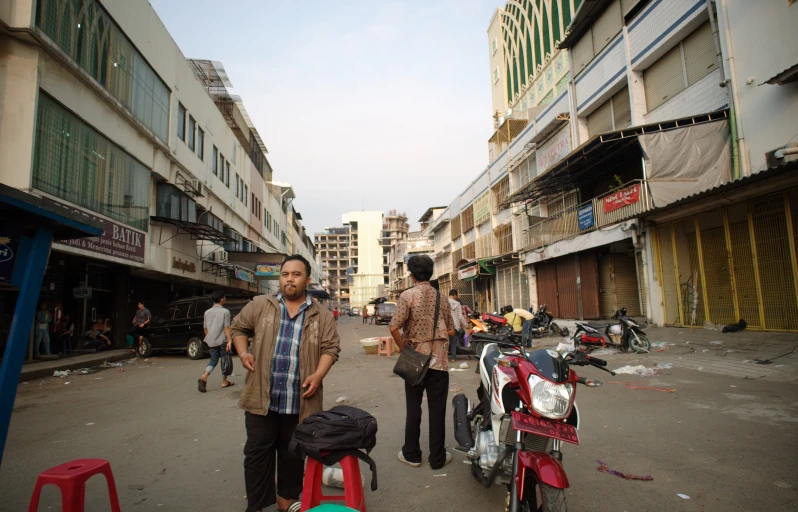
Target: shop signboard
[(469, 272), (621, 198), (245, 275), (117, 240), (268, 269), (554, 150), (81, 292), (585, 214)]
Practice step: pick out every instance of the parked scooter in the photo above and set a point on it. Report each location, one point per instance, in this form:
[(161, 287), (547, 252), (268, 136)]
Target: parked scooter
[(588, 336), (544, 324), (526, 410)]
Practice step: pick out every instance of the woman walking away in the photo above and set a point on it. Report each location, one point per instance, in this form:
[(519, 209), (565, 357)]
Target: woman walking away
[(415, 315)]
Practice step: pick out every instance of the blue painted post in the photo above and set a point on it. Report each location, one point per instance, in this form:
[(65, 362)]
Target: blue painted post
[(35, 265)]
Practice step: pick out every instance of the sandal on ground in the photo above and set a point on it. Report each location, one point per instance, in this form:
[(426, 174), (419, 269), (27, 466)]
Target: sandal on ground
[(229, 383), (202, 385)]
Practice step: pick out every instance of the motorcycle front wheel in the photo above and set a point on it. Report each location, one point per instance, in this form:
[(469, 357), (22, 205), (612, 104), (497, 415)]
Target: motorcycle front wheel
[(639, 341), (548, 499)]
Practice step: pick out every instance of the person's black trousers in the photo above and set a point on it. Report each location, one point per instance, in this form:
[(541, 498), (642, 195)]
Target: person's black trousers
[(267, 435), (436, 385)]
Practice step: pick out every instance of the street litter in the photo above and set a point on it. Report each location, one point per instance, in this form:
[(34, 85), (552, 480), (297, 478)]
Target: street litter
[(342, 399), (456, 370), (634, 385), (637, 370), (89, 424), (604, 352), (464, 366), (705, 350), (716, 343), (732, 386), (605, 469), (444, 474), (61, 374), (66, 383), (664, 366), (683, 496)]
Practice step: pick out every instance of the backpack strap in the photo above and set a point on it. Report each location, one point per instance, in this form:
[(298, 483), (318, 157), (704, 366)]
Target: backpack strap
[(336, 456)]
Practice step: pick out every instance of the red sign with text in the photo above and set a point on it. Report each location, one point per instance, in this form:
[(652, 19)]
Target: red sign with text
[(622, 198), (545, 428)]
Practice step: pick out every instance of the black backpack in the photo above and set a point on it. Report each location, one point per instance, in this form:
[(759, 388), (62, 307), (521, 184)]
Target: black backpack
[(341, 431)]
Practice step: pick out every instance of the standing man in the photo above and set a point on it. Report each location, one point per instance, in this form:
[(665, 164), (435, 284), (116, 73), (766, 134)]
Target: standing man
[(459, 323), (41, 332), (218, 337), (335, 314), (141, 320), (365, 315), (466, 310), (295, 343)]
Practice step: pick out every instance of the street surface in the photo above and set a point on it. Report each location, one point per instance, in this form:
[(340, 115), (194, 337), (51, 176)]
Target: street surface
[(727, 442)]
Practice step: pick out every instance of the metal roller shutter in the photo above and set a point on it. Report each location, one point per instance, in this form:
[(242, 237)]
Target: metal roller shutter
[(606, 286), (700, 56), (582, 52), (745, 277), (621, 110), (547, 286), (668, 278), (566, 287), (642, 281), (716, 268), (664, 79), (588, 275), (600, 120), (627, 294), (607, 26)]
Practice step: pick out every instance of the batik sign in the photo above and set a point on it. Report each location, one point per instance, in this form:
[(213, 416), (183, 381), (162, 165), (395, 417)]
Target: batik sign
[(625, 197)]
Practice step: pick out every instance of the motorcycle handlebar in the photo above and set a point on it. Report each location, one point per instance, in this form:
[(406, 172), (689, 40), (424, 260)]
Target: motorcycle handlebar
[(596, 361)]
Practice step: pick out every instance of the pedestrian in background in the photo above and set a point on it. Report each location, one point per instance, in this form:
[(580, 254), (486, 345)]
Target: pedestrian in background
[(415, 316), (41, 334), (219, 339), (459, 324), (365, 315), (293, 338), (141, 320), (335, 314)]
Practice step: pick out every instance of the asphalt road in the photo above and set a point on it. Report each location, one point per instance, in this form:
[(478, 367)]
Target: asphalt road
[(727, 443)]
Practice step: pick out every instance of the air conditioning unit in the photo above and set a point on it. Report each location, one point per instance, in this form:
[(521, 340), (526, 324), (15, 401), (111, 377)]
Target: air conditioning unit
[(196, 186)]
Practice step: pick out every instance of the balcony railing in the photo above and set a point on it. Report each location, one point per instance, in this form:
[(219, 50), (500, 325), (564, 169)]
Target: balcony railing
[(630, 200)]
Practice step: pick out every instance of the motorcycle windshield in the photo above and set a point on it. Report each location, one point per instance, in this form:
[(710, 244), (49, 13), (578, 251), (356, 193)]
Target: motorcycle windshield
[(549, 364)]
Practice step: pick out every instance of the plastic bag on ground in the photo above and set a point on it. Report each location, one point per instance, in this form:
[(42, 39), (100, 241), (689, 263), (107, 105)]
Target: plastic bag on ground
[(664, 366), (637, 370)]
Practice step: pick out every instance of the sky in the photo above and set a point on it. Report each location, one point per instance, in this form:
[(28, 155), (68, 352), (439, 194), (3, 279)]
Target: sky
[(362, 105)]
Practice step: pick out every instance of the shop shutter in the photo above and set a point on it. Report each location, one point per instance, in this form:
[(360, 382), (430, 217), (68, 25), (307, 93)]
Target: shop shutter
[(567, 292), (606, 286), (588, 275), (775, 269), (607, 26), (700, 56), (641, 280), (627, 294), (582, 52), (600, 120), (547, 286), (743, 260), (716, 267), (668, 274), (621, 110), (664, 79), (524, 289)]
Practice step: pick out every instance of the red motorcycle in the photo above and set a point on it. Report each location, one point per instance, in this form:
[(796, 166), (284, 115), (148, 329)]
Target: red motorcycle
[(526, 411)]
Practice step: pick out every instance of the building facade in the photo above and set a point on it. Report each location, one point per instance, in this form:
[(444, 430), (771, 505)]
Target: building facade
[(103, 115), (333, 259)]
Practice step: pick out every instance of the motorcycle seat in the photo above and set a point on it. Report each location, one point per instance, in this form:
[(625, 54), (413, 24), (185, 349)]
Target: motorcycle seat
[(596, 326), (491, 356)]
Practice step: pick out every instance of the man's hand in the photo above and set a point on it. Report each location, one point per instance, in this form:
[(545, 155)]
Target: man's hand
[(311, 385), (229, 345), (248, 361), (141, 326)]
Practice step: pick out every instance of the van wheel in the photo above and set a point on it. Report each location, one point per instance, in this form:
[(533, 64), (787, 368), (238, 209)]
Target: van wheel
[(144, 348), (194, 349)]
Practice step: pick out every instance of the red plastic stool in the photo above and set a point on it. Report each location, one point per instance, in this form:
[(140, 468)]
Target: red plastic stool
[(71, 479), (353, 486), (384, 348)]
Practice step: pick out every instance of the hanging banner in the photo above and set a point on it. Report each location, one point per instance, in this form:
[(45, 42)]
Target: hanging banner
[(245, 275), (585, 214), (625, 197), (469, 272), (557, 148), (267, 269)]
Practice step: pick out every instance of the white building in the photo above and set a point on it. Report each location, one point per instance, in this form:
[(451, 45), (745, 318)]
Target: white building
[(366, 256)]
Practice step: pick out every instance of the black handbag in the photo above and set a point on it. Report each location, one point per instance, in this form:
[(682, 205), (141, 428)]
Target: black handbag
[(412, 365)]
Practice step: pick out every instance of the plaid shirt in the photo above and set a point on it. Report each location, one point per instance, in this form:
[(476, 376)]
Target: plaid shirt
[(286, 387)]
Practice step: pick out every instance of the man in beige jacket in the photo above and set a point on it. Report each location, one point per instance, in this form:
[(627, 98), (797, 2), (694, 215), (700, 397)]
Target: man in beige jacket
[(295, 343)]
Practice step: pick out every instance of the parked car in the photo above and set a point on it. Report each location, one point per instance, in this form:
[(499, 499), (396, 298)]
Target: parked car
[(385, 312), (179, 327), (355, 311)]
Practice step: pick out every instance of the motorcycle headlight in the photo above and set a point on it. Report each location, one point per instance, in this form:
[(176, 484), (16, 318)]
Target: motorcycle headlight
[(552, 400)]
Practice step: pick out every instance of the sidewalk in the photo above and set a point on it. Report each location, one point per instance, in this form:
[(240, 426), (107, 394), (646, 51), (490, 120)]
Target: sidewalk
[(39, 369), (746, 354)]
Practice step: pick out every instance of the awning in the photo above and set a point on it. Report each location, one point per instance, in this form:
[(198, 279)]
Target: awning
[(198, 231), (508, 130), (495, 261), (550, 129), (788, 75), (583, 161), (224, 269)]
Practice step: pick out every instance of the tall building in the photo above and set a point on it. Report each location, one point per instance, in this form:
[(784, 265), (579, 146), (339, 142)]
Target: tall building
[(618, 127), (367, 256), (104, 115), (333, 258)]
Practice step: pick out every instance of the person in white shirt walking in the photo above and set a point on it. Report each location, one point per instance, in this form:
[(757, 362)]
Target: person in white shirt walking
[(218, 338)]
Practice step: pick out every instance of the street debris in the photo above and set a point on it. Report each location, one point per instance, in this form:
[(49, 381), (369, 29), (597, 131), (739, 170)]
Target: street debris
[(62, 374), (605, 469), (342, 399), (732, 386), (739, 326), (464, 366), (683, 496), (659, 346), (664, 366), (637, 370), (716, 342), (444, 474), (638, 385), (66, 382), (710, 326), (604, 352), (456, 370)]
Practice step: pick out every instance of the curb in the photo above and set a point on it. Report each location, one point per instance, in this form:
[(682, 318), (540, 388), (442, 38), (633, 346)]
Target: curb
[(39, 373)]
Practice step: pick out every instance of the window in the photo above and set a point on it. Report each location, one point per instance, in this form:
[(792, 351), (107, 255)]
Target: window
[(181, 310), (598, 36), (79, 165), (504, 239), (215, 164), (85, 32), (500, 193), (201, 306), (166, 313), (614, 114), (227, 174), (192, 132), (246, 195), (467, 219), (496, 75), (172, 203), (238, 187), (213, 221), (200, 143), (687, 63), (495, 46), (181, 122), (469, 251), (455, 227), (266, 214)]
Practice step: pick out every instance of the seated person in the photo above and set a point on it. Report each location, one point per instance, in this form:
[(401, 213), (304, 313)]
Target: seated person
[(96, 338)]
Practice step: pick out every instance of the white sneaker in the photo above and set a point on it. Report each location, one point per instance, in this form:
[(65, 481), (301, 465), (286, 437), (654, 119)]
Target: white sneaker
[(412, 464), (448, 459)]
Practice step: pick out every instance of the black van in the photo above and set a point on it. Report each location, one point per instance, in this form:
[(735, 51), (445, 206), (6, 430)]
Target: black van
[(179, 326)]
